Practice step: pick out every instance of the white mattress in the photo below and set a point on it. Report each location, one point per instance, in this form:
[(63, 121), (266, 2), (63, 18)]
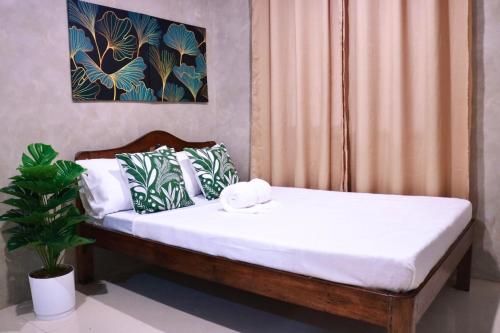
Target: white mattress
[(370, 240)]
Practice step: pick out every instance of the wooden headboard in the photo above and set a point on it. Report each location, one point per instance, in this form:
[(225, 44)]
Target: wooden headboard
[(147, 142)]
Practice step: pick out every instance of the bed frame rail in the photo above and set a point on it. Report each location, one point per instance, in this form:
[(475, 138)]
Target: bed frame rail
[(398, 312)]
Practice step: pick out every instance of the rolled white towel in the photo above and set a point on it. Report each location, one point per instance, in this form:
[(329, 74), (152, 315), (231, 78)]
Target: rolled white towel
[(262, 188), (244, 196)]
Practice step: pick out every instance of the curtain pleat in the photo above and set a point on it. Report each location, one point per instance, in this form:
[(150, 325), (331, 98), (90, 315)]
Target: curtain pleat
[(371, 96), (409, 102), (297, 92)]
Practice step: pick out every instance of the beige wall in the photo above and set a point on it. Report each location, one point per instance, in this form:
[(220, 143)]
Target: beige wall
[(485, 177), (36, 106)]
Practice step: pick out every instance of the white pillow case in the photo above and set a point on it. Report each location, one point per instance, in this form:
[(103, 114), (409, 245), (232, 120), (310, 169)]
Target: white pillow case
[(102, 187), (190, 180)]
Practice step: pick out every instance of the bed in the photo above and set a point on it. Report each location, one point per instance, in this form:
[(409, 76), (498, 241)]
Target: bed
[(376, 258)]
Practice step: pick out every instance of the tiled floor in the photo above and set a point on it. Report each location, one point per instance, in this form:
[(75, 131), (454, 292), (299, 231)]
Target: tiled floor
[(149, 302)]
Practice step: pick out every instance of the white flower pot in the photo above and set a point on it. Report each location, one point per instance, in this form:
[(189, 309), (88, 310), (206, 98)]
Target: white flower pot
[(53, 298)]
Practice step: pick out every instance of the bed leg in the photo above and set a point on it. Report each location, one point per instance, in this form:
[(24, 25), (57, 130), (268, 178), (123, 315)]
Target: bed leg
[(402, 318), (84, 264), (464, 271)]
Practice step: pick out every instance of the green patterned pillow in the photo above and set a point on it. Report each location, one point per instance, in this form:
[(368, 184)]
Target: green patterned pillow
[(214, 169), (155, 181)]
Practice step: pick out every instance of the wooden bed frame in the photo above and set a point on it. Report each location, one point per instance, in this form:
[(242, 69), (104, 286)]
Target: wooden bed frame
[(398, 312)]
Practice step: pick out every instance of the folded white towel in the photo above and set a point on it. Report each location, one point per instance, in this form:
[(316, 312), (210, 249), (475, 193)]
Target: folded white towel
[(246, 197)]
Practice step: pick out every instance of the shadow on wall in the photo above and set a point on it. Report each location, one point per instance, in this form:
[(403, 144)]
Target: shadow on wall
[(484, 263), (18, 265)]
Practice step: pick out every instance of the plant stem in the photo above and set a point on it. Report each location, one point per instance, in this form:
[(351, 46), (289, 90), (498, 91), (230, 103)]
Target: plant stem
[(40, 253), (59, 260)]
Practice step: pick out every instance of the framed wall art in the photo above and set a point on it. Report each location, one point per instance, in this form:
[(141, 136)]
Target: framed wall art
[(117, 55)]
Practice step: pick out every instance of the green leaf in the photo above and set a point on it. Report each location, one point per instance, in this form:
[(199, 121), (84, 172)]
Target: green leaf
[(70, 242), (41, 186), (68, 171), (70, 219), (38, 172), (18, 240), (17, 191), (62, 197), (17, 216), (23, 204), (11, 214), (21, 236), (39, 154)]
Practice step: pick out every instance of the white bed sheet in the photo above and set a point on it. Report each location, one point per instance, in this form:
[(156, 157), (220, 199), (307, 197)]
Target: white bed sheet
[(124, 221), (370, 240)]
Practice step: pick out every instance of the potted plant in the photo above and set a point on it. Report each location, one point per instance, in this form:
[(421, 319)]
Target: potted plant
[(45, 219)]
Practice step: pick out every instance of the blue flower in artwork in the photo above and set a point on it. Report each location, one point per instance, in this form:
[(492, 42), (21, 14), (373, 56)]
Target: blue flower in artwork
[(188, 76), (201, 66), (181, 39), (146, 28), (173, 92), (83, 13), (81, 88), (78, 42), (126, 78), (139, 93)]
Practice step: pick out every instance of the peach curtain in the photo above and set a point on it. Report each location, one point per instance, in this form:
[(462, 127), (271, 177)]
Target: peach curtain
[(297, 93), (370, 93), (409, 96)]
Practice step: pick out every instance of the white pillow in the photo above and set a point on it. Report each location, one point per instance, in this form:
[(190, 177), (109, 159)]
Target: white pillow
[(102, 187), (190, 179)]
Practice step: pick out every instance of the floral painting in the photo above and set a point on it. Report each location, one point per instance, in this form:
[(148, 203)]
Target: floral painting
[(125, 56)]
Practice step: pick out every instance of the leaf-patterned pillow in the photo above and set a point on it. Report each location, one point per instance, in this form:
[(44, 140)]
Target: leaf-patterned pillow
[(214, 168), (155, 181)]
